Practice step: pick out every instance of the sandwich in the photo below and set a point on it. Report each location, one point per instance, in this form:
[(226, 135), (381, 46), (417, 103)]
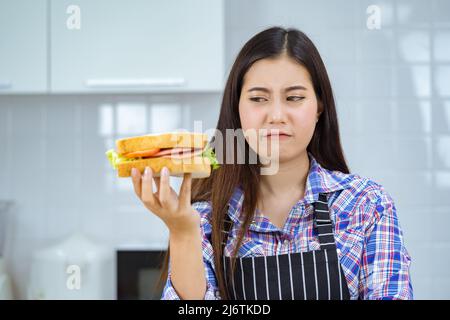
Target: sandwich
[(180, 152)]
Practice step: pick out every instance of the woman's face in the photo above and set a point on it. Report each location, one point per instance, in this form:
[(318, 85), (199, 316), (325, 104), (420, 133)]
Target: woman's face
[(278, 94)]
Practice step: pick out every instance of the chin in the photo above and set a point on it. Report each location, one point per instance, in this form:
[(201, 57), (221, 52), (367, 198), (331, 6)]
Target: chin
[(280, 159)]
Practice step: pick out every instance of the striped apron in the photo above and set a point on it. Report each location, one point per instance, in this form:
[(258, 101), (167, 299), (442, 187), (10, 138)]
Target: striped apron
[(312, 275)]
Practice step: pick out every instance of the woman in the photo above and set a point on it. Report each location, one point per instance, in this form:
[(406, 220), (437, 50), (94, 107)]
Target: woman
[(312, 230)]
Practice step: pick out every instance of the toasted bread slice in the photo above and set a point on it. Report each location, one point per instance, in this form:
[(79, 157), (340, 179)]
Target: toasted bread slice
[(164, 140), (200, 167)]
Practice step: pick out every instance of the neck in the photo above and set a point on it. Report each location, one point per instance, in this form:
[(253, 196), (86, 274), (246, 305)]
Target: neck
[(290, 178)]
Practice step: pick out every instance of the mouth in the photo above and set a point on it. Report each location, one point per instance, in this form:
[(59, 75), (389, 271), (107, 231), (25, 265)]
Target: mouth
[(277, 134)]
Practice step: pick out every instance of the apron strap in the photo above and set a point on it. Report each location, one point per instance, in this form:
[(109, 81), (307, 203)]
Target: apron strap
[(323, 223)]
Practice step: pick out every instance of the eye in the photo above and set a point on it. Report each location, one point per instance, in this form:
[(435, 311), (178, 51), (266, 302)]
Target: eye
[(257, 99), (295, 98)]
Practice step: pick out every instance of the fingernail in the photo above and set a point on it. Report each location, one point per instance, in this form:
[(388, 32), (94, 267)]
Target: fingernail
[(165, 171), (134, 171), (147, 171)]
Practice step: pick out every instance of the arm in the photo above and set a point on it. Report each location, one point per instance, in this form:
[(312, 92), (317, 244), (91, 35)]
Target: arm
[(210, 290), (186, 226), (385, 260), (170, 293), (187, 270)]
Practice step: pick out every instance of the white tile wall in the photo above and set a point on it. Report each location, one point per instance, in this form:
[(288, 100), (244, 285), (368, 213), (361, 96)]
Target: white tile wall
[(56, 171), (393, 99)]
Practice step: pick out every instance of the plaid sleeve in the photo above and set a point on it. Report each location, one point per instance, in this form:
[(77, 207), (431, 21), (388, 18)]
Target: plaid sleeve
[(385, 260), (169, 292)]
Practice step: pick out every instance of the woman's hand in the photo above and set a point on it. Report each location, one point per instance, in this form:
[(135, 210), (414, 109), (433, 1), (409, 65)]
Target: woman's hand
[(176, 211)]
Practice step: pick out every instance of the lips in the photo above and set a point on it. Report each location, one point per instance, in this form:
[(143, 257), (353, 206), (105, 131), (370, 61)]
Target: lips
[(279, 133)]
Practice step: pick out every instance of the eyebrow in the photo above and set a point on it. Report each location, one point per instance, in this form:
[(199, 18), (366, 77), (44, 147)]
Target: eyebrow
[(285, 90)]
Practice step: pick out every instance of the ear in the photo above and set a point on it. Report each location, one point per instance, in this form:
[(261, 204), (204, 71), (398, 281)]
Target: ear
[(319, 110)]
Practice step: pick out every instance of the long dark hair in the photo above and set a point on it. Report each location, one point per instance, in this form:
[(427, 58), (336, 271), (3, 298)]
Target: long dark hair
[(325, 144)]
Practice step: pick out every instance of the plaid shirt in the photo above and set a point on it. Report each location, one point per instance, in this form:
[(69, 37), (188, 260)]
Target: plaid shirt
[(368, 236)]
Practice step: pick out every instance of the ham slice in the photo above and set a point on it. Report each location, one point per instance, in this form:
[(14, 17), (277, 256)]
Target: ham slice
[(185, 153), (165, 152), (179, 153)]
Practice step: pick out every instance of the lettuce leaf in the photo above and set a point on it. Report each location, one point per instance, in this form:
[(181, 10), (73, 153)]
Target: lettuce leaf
[(209, 153), (114, 158)]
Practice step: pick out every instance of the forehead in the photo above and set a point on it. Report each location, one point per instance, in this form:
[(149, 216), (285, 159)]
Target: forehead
[(277, 72)]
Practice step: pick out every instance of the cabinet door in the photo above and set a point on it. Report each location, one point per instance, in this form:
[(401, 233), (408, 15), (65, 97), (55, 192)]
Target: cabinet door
[(23, 46), (137, 46)]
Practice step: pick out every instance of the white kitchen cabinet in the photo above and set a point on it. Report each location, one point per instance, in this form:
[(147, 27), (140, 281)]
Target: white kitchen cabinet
[(137, 46), (23, 46)]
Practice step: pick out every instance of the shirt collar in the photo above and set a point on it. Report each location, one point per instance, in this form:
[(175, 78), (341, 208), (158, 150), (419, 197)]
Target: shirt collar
[(319, 180)]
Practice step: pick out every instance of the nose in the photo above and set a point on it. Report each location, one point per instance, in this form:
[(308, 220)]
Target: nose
[(276, 113)]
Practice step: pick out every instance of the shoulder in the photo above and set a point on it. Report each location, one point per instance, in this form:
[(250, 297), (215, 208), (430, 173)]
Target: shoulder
[(368, 191), (364, 199), (362, 190)]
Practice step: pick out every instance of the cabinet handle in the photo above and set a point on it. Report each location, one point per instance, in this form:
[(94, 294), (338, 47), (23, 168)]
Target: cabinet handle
[(137, 82), (5, 85)]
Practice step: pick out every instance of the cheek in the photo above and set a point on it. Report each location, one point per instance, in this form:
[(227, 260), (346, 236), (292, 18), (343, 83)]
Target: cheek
[(302, 121), (305, 118), (304, 124), (250, 117), (251, 120)]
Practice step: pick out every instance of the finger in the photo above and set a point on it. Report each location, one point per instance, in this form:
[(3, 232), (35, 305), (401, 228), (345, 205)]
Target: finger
[(147, 189), (185, 190), (136, 178), (164, 190), (157, 182)]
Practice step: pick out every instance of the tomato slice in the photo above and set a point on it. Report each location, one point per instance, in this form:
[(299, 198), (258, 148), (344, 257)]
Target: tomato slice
[(142, 154)]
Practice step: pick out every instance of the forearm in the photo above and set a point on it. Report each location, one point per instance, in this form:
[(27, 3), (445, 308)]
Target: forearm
[(187, 267)]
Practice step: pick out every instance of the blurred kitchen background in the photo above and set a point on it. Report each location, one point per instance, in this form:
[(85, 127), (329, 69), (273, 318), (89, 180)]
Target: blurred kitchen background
[(76, 75)]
